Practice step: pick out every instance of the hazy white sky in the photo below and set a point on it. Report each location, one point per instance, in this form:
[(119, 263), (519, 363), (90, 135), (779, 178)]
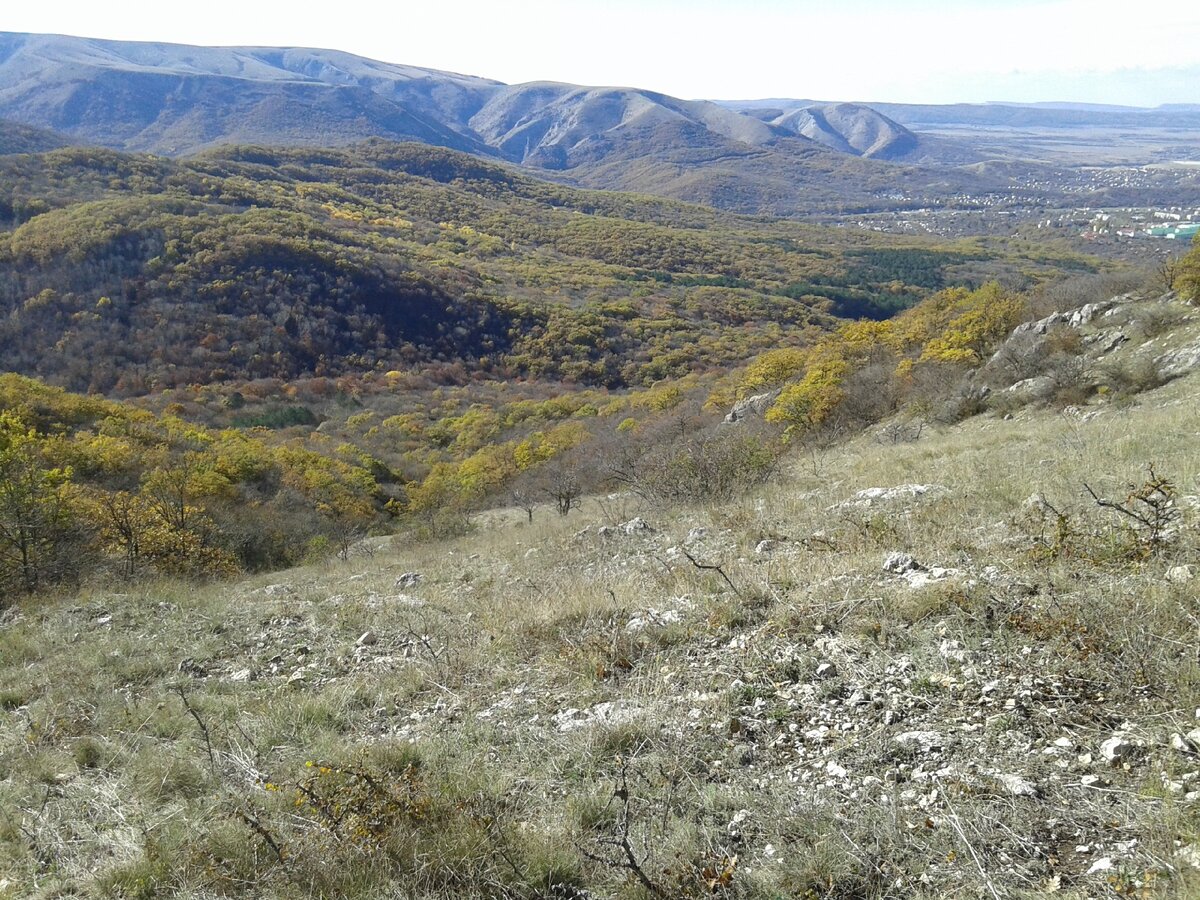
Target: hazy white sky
[(1104, 51)]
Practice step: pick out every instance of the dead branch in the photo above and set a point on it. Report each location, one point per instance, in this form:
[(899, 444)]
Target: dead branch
[(212, 758), (712, 568)]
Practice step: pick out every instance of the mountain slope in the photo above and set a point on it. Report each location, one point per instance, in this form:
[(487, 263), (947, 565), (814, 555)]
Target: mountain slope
[(178, 100), (985, 642), (850, 128), (560, 125)]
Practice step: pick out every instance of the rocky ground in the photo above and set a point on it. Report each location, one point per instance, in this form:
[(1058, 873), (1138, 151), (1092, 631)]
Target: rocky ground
[(932, 665)]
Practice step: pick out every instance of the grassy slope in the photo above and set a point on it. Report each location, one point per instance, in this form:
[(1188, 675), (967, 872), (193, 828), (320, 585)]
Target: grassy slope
[(476, 702)]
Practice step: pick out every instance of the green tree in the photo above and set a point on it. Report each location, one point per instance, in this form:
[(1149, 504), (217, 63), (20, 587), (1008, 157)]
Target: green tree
[(35, 507)]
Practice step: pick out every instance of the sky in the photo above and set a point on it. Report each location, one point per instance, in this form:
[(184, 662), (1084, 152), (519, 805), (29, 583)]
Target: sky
[(913, 51)]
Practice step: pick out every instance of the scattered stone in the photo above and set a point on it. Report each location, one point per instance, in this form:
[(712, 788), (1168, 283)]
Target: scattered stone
[(1072, 318), (274, 590), (1117, 749), (1112, 343), (1086, 313), (923, 741), (190, 667), (652, 617), (403, 600), (1030, 387), (832, 768), (900, 563), (1034, 503), (1180, 574), (408, 580), (1103, 864), (611, 712), (874, 496), (826, 670), (739, 819), (636, 526), (756, 405), (953, 650), (1017, 786), (917, 575), (1179, 362), (1189, 856)]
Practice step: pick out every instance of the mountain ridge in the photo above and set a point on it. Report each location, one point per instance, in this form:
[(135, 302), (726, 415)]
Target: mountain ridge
[(180, 99), (780, 157)]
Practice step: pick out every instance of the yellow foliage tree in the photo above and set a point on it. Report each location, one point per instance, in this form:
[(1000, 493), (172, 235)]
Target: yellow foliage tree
[(1187, 273), (805, 404), (771, 368), (990, 316), (35, 505)]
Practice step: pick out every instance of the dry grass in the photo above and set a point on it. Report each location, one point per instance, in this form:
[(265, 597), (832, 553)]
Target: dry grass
[(559, 712)]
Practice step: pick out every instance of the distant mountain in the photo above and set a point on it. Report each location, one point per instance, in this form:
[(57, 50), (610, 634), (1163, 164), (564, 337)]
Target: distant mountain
[(558, 126), (850, 128), (179, 100), (782, 157), (993, 115)]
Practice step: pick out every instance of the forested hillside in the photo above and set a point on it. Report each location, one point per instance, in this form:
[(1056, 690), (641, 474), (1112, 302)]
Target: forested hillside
[(135, 273), (318, 344), (16, 138)]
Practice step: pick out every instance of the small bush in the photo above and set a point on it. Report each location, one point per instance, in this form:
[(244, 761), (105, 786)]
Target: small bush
[(1126, 378), (1156, 320), (1069, 383), (711, 468)]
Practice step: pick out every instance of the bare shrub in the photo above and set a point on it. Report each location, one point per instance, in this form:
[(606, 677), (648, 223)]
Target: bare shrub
[(969, 400), (1069, 383), (711, 467), (1128, 377), (1016, 360), (1158, 319), (561, 482), (1072, 293), (900, 432), (1143, 524), (524, 500), (1148, 511)]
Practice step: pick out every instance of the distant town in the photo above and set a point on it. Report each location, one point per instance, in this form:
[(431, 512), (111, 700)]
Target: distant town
[(1171, 224)]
